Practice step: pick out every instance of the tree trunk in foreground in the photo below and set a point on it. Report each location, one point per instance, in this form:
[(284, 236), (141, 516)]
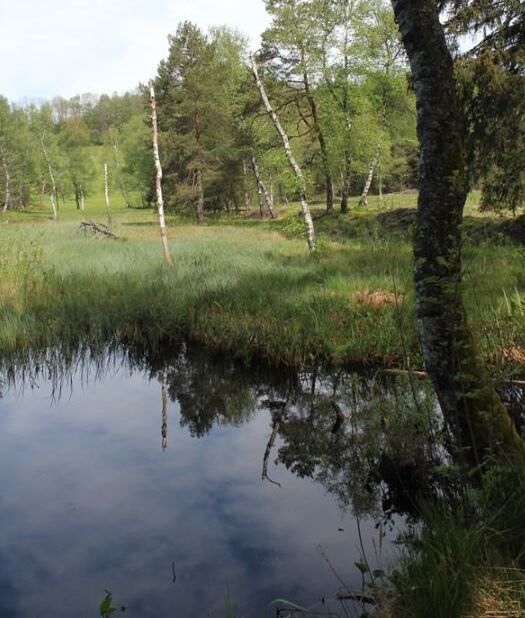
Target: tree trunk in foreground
[(158, 180), (54, 206), (309, 224), (363, 201), (106, 194), (467, 398)]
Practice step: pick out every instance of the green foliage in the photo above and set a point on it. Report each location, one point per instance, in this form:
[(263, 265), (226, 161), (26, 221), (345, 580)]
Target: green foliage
[(494, 106)]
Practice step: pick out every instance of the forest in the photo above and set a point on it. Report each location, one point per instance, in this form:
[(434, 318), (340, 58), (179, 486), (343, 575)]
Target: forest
[(346, 200)]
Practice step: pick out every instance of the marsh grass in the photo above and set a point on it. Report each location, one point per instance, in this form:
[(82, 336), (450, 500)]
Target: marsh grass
[(469, 560), (244, 287)]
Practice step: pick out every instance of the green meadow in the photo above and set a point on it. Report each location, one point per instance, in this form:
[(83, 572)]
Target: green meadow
[(246, 286)]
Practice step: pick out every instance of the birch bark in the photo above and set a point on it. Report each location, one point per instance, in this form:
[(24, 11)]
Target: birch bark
[(106, 193), (158, 181), (309, 224), (363, 201)]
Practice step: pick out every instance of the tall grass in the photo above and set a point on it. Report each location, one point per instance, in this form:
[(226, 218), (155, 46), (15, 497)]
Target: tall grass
[(250, 290), (469, 561)]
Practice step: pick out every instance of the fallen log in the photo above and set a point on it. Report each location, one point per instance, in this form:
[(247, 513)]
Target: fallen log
[(98, 230)]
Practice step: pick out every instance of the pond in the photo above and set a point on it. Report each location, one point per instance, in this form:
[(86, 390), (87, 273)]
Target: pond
[(177, 482)]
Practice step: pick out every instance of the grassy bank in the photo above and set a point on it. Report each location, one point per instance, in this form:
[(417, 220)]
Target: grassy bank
[(242, 286), (468, 561)]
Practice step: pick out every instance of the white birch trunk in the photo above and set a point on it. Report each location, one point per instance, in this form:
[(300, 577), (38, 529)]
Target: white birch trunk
[(309, 224), (82, 201), (106, 193), (363, 201), (158, 183), (54, 206)]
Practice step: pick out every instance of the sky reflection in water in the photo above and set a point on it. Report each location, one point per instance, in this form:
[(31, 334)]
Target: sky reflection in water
[(90, 501)]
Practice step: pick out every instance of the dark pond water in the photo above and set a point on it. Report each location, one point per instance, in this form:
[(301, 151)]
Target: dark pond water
[(146, 480)]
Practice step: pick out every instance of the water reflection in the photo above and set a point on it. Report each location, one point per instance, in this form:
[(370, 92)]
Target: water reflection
[(105, 486)]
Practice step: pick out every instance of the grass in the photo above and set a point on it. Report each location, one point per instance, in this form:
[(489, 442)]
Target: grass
[(466, 562), (241, 286)]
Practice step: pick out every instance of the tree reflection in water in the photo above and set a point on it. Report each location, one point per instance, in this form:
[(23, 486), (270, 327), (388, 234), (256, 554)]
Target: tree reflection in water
[(376, 443)]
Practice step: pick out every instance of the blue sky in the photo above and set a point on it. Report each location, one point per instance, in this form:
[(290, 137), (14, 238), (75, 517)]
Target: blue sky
[(68, 47)]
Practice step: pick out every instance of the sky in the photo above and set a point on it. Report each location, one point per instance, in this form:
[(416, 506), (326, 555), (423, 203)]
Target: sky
[(67, 47)]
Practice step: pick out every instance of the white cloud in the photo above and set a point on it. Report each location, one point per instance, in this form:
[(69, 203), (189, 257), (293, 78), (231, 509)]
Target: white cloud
[(67, 47)]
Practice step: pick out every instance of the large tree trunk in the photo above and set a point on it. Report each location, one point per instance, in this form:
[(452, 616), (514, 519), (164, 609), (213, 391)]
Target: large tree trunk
[(158, 180), (54, 205), (467, 398), (309, 224)]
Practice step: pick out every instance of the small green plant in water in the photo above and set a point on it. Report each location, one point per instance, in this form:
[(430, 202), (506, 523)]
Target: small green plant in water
[(106, 607)]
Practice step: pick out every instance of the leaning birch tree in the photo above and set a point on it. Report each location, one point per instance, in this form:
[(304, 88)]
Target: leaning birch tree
[(158, 181), (469, 402), (309, 224)]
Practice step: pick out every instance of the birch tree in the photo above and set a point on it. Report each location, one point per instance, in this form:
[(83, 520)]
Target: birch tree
[(106, 193), (158, 180), (309, 224), (295, 35)]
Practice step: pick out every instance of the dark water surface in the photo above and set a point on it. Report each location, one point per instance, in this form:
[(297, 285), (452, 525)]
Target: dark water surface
[(101, 490)]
